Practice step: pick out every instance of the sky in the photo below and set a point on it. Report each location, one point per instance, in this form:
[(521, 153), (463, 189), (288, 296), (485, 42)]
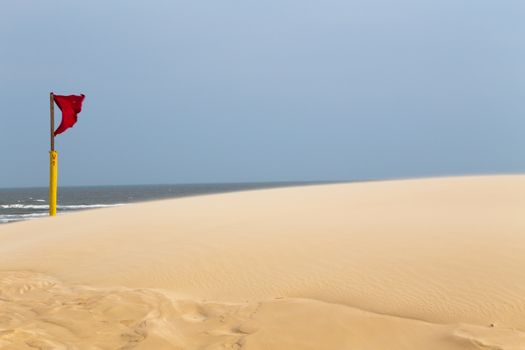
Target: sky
[(208, 91)]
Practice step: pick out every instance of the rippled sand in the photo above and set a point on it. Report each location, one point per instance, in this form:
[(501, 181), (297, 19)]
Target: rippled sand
[(415, 264)]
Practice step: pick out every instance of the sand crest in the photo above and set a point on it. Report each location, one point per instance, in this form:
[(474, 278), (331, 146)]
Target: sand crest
[(414, 264)]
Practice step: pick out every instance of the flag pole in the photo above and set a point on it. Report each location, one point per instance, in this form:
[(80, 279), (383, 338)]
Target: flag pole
[(53, 161)]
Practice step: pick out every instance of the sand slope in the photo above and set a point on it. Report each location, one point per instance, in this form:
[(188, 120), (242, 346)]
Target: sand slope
[(415, 264)]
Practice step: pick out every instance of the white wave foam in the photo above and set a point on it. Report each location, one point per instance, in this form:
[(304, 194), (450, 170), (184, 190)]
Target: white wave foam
[(24, 206), (66, 207), (8, 216), (88, 206)]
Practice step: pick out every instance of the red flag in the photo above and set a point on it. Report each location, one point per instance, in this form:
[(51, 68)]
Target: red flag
[(70, 106)]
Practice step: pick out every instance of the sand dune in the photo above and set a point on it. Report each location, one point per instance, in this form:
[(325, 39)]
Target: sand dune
[(414, 264)]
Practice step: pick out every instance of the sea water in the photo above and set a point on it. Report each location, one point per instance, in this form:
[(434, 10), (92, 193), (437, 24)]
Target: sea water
[(18, 204)]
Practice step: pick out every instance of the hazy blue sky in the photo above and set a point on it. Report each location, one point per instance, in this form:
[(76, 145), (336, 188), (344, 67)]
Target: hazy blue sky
[(229, 91)]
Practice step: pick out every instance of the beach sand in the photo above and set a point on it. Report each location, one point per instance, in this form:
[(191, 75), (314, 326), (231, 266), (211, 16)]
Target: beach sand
[(409, 264)]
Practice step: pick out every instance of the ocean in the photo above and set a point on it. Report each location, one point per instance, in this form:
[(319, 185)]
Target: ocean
[(18, 204)]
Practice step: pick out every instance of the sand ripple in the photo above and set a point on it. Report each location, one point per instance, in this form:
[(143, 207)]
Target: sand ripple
[(41, 312)]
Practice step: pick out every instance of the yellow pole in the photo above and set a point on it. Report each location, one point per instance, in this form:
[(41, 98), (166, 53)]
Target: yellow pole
[(53, 161), (53, 174)]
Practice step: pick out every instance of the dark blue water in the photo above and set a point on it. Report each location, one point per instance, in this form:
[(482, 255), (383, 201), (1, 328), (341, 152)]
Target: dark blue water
[(18, 204)]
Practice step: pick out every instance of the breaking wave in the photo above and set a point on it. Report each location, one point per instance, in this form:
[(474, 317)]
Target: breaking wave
[(64, 207)]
